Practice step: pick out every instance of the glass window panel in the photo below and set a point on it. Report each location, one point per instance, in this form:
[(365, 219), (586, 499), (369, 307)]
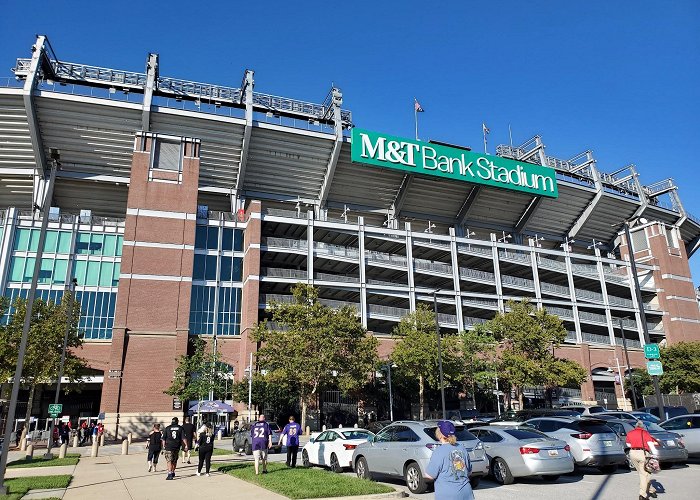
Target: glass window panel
[(227, 239), (96, 243), (51, 241), (213, 238), (64, 238), (29, 270), (93, 273), (225, 272), (82, 243), (109, 245), (46, 271), (34, 241), (60, 269), (210, 267), (115, 274), (238, 240), (106, 271), (17, 269), (200, 237), (198, 269), (237, 272), (79, 269), (120, 241), (21, 239)]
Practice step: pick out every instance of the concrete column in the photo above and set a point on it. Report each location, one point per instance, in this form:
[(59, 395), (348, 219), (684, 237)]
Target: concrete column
[(497, 273), (29, 455), (409, 266), (455, 280), (363, 271), (535, 272), (572, 294), (604, 291), (95, 448), (310, 249)]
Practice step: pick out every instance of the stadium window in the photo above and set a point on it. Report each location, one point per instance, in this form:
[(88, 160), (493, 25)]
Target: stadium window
[(22, 236), (167, 155), (227, 239), (210, 267), (639, 241), (198, 268), (670, 238), (238, 240), (225, 268), (212, 238), (17, 269), (82, 243), (200, 237), (237, 271)]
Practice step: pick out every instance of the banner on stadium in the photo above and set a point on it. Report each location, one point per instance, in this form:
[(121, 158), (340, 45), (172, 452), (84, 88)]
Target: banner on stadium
[(447, 162)]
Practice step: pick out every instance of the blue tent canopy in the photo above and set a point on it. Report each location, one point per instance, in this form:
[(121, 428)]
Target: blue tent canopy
[(210, 407)]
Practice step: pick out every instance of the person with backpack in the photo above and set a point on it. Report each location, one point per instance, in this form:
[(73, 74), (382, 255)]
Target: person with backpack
[(155, 446), (173, 440), (449, 465), (205, 443)]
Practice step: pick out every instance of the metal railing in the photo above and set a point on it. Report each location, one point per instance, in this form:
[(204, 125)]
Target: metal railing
[(385, 283), (429, 265), (337, 304), (518, 282), (475, 274), (343, 278), (474, 249), (620, 301), (514, 255), (551, 264), (589, 294), (593, 338), (385, 258), (492, 304), (387, 311), (560, 311), (285, 243), (555, 289), (276, 272), (280, 212), (593, 317), (471, 321), (321, 248)]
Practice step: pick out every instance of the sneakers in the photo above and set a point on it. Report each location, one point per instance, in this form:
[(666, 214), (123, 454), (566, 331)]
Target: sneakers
[(169, 476), (199, 473), (264, 472), (150, 468), (208, 475)]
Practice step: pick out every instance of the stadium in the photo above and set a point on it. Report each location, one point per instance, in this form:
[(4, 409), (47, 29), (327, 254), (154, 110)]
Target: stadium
[(185, 208)]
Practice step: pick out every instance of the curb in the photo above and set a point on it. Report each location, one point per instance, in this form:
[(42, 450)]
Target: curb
[(378, 496)]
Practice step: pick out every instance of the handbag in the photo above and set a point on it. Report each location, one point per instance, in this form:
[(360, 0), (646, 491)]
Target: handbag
[(651, 465)]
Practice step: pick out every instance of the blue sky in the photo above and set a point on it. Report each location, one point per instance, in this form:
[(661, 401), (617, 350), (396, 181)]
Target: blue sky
[(619, 78)]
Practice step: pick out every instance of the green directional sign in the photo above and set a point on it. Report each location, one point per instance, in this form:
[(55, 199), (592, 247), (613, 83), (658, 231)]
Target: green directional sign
[(655, 368), (651, 351), (55, 409), (448, 162)]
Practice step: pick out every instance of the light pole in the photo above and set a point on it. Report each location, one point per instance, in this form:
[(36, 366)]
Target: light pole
[(439, 346), (250, 388), (55, 157), (391, 394), (642, 315), (69, 320), (629, 367)]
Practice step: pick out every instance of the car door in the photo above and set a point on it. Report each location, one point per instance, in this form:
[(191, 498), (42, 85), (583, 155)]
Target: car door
[(490, 440), (691, 436), (328, 446), (402, 447), (376, 452), (315, 449)]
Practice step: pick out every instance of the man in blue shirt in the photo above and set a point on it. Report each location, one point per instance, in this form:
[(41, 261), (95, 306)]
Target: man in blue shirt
[(449, 466), (261, 439), (292, 431)]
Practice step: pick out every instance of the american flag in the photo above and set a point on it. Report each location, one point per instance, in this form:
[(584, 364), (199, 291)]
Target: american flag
[(486, 129), (418, 107)]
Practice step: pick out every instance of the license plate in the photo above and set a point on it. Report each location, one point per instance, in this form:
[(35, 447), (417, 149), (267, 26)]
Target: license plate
[(671, 442), (553, 453), (607, 443)]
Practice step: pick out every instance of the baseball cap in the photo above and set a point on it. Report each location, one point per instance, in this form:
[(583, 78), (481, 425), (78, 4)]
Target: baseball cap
[(446, 427)]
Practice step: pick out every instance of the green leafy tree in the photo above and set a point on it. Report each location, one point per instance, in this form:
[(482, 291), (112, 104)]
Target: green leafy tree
[(478, 348), (44, 344), (416, 352), (319, 346), (528, 337), (199, 373), (681, 364), (277, 399)]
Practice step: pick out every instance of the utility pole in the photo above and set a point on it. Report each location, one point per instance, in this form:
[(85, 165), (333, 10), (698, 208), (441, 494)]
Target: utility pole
[(629, 367), (439, 346)]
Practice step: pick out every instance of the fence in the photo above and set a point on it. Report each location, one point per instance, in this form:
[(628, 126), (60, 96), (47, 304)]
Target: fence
[(690, 400)]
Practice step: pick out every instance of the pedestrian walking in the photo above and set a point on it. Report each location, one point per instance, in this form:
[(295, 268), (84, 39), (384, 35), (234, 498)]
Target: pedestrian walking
[(188, 435), (291, 433), (64, 433), (639, 439), (172, 442), (205, 444), (18, 434), (154, 444), (449, 466), (262, 441)]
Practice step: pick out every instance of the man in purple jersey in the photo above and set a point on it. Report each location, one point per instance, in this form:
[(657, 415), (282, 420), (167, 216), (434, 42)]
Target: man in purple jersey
[(292, 431), (261, 442)]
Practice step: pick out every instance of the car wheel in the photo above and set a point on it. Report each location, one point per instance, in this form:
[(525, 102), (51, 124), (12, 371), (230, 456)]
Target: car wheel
[(607, 469), (474, 481), (361, 468), (666, 465), (501, 472), (248, 448), (550, 479), (305, 459), (414, 479), (335, 464)]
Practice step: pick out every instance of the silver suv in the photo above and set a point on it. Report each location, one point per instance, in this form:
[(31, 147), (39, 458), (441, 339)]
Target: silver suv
[(592, 442), (403, 449)]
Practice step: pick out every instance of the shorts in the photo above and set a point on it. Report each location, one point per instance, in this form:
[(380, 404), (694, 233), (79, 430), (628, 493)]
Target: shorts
[(171, 456), (260, 454)]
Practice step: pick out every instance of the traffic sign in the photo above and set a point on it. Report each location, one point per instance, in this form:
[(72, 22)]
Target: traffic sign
[(651, 351), (655, 368), (55, 409)]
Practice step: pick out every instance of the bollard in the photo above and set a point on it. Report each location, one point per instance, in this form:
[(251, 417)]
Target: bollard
[(63, 450), (125, 446), (75, 441), (30, 452), (130, 436), (94, 449), (102, 439), (23, 444), (355, 426), (340, 426), (324, 427), (308, 430), (219, 435)]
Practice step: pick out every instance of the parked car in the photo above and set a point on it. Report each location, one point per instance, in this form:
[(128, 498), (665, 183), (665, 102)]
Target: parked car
[(688, 426), (463, 415), (403, 450), (668, 447), (592, 442), (647, 417), (334, 448), (523, 451), (524, 415), (617, 414), (377, 425), (584, 410), (242, 441), (669, 411)]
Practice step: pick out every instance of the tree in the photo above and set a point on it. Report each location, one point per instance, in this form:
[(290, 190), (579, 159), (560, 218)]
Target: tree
[(528, 338), (318, 346), (478, 347), (199, 373), (416, 352), (681, 364), (44, 345), (278, 399)]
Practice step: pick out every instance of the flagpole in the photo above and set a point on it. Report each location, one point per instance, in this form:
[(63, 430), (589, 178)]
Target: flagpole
[(484, 131), (510, 134), (415, 114)]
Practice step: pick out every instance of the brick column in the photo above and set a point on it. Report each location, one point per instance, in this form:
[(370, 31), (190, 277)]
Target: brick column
[(151, 321)]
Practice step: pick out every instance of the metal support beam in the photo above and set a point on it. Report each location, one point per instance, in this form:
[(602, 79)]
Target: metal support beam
[(400, 197), (468, 202), (586, 214), (692, 246), (151, 79), (247, 96), (643, 198), (336, 103), (528, 213)]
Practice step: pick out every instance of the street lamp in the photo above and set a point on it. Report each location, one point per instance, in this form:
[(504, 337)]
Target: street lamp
[(55, 162), (629, 367), (642, 315), (389, 365), (439, 345)]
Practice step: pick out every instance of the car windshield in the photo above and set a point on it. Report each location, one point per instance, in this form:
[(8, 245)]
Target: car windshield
[(526, 434), (461, 433), (274, 426), (652, 427), (594, 427), (357, 434)]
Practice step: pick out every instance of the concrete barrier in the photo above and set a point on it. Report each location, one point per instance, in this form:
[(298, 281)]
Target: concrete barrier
[(308, 430), (23, 444), (95, 448), (102, 439), (125, 446), (63, 450), (324, 427), (30, 452), (75, 441), (130, 436), (219, 435)]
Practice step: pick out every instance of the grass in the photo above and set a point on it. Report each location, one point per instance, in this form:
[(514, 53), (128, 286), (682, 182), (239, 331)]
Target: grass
[(71, 459), (20, 486), (303, 483)]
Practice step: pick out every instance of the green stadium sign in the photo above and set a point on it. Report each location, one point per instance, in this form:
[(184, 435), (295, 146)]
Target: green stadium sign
[(448, 162)]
